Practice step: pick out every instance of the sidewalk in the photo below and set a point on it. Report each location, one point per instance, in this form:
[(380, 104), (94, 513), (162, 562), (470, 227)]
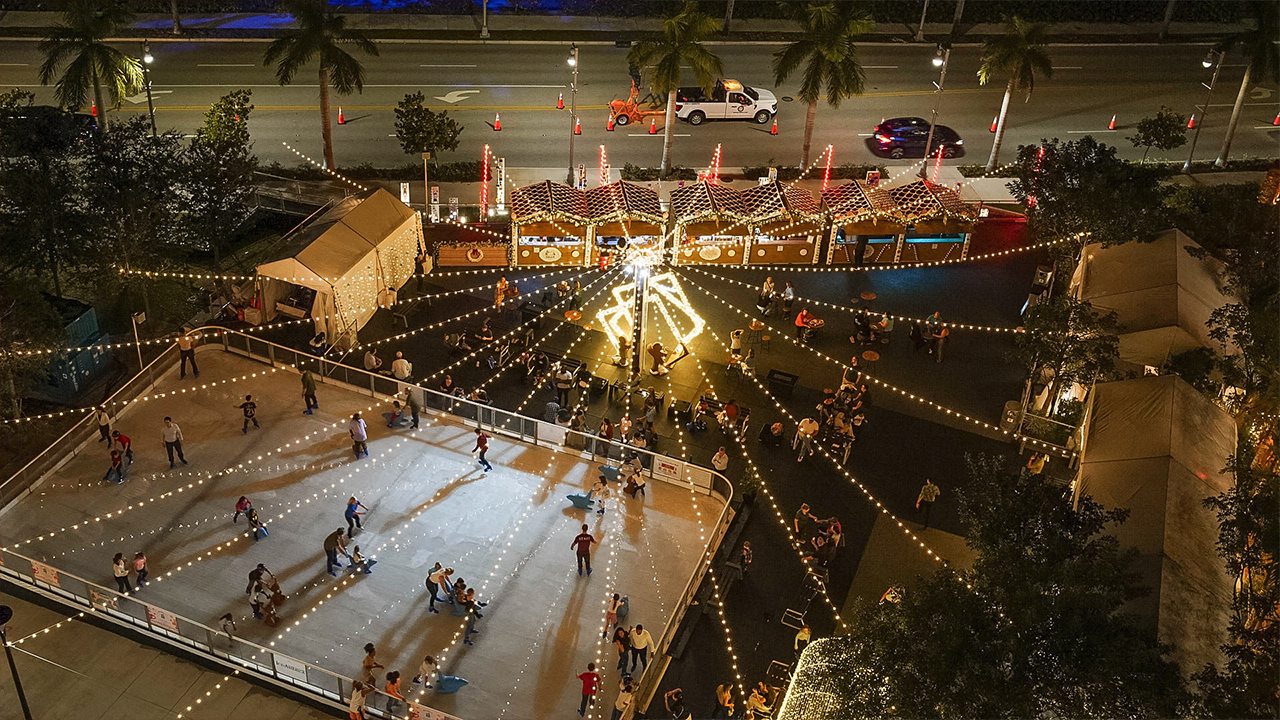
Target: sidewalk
[(584, 29)]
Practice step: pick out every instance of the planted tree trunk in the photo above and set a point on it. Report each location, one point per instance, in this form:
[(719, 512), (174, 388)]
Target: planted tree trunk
[(667, 128), (1004, 112), (326, 130), (1168, 18), (1235, 118), (728, 16), (97, 99), (177, 24), (810, 114)]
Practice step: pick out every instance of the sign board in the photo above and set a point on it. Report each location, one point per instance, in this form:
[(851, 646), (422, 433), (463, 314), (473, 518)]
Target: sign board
[(435, 203), (422, 712), (873, 178), (453, 208), (44, 573), (773, 174), (500, 177), (666, 468), (162, 618), (701, 477), (103, 601), (762, 181), (139, 318), (404, 193), (582, 176), (289, 667)]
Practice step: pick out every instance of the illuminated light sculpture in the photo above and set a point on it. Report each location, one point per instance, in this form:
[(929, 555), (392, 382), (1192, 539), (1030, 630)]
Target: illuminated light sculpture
[(661, 293)]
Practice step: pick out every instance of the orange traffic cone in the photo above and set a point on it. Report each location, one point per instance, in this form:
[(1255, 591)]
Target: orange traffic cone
[(577, 126), (94, 110), (994, 120), (609, 125), (1191, 124), (497, 122), (342, 120), (653, 126), (1112, 125), (774, 130), (1276, 121), (237, 118), (560, 102)]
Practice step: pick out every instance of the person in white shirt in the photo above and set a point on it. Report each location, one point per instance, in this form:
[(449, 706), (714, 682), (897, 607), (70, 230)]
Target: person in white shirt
[(401, 368), (359, 435), (172, 435), (720, 461), (372, 362), (601, 492), (641, 641), (626, 693), (358, 692), (104, 423), (805, 432)]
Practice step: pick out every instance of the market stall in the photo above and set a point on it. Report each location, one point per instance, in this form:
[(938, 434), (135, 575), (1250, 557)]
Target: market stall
[(786, 225), (339, 266), (625, 215), (938, 220), (475, 245), (550, 226), (866, 226), (711, 225)]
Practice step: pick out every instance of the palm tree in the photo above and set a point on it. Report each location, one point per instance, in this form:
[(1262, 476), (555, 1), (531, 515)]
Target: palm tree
[(1259, 46), (678, 43), (828, 55), (321, 32), (1020, 55), (81, 38)]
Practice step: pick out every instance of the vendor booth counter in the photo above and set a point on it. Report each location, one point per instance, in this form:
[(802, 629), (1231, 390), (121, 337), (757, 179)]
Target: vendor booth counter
[(712, 225), (551, 226)]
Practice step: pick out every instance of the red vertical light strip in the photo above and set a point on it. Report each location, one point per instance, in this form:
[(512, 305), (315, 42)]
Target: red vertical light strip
[(715, 167), (826, 174), (484, 184), (604, 167), (937, 166)]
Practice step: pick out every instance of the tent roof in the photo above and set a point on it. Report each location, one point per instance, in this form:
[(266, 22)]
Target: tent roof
[(705, 201), (330, 244), (924, 200), (622, 200), (855, 201), (549, 201)]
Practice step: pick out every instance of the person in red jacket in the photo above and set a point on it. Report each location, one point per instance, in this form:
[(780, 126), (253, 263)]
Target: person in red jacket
[(590, 680)]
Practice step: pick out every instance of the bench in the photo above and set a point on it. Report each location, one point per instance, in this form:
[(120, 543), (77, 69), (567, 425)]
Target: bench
[(782, 383), (709, 405)]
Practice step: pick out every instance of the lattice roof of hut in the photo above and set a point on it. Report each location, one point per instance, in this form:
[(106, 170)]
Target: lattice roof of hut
[(925, 200), (621, 200), (772, 200), (856, 201), (704, 201), (549, 201)]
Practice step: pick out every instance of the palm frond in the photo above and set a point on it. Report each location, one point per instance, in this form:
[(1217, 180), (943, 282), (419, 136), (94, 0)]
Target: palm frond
[(826, 51), (1018, 55), (346, 74), (76, 83)]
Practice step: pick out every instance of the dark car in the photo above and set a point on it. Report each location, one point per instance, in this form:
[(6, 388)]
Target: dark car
[(906, 137)]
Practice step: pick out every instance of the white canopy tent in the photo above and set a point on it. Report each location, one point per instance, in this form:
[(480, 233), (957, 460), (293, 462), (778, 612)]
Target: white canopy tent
[(355, 255), (1156, 446), (1162, 296)]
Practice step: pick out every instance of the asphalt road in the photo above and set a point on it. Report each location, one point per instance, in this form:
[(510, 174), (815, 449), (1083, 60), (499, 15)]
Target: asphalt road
[(521, 82)]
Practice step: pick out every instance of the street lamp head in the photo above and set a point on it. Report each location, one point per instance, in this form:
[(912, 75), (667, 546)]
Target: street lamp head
[(147, 57), (573, 56), (939, 56)]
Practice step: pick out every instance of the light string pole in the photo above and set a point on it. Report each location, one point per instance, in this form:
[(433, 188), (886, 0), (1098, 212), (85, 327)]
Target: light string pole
[(1213, 59), (573, 106)]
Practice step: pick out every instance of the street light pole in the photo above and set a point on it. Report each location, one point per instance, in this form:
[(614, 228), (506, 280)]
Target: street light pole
[(6, 614), (426, 185), (484, 19), (1208, 60), (147, 59), (940, 59), (573, 106)]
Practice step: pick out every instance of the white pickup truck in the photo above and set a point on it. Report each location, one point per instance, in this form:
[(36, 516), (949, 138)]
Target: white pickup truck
[(729, 100)]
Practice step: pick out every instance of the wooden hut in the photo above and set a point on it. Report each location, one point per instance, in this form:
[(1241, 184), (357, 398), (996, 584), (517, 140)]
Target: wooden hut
[(866, 227), (550, 226), (786, 225), (938, 222), (711, 225), (625, 214)]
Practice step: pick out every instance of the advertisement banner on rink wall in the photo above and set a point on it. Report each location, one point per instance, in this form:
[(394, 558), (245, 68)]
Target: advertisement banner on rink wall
[(700, 477), (667, 468), (44, 573), (162, 618), (290, 667), (103, 601)]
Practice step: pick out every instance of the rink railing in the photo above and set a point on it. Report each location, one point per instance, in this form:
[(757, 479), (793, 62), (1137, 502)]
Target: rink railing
[(284, 670)]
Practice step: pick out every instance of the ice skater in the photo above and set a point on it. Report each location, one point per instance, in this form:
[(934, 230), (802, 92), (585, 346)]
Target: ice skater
[(250, 410), (582, 544), (115, 471), (309, 392), (436, 579), (482, 447), (172, 435), (352, 513), (334, 543), (359, 433), (242, 508)]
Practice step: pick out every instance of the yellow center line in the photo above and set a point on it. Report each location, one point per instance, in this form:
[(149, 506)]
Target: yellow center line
[(381, 108)]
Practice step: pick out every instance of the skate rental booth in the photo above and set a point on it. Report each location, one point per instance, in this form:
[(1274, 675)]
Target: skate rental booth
[(865, 225), (712, 225), (938, 222), (625, 215), (787, 225), (341, 265), (551, 226)]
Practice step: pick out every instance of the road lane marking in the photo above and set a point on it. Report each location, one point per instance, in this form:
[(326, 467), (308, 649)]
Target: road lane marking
[(141, 97), (226, 65), (456, 96), (879, 67), (1088, 132), (13, 64), (866, 134), (447, 66), (1265, 127), (1067, 67), (657, 135)]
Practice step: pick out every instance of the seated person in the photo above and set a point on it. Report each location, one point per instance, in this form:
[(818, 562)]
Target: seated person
[(880, 327), (319, 345), (862, 329), (447, 386), (728, 415), (772, 435), (479, 396), (457, 341), (484, 334), (372, 362)]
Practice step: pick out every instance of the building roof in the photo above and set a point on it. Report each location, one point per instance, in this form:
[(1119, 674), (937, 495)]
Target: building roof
[(621, 200), (856, 201), (773, 200), (549, 200), (705, 201), (924, 200)]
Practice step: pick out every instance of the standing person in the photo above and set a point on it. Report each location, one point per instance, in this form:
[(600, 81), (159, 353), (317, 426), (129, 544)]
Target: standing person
[(425, 671), (309, 392), (115, 471), (140, 567), (611, 615), (601, 492), (414, 405), (436, 579), (605, 433), (251, 515), (590, 679), (482, 447), (735, 341), (334, 543), (121, 442), (744, 558), (582, 545), (359, 692), (788, 298), (641, 641), (401, 368), (674, 700), (622, 643), (626, 695), (802, 640), (104, 423), (804, 522), (420, 264), (359, 433), (472, 608), (242, 508), (250, 410), (352, 514), (928, 494), (120, 569), (172, 435), (720, 461), (805, 432), (564, 384), (369, 664), (187, 351), (395, 701), (724, 701), (500, 291), (263, 600), (261, 575), (575, 294)]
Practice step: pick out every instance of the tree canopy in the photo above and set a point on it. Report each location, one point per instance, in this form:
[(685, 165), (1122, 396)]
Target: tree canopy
[(420, 129)]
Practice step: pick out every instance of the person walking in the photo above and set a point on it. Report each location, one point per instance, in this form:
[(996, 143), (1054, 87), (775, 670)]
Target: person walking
[(420, 267), (590, 679), (104, 423), (801, 640), (250, 410), (928, 494), (115, 471), (352, 514), (482, 447), (309, 392), (122, 443), (359, 694), (359, 433), (622, 643), (242, 508), (582, 545), (401, 368), (500, 291), (641, 641), (187, 352), (172, 435), (370, 664), (120, 569), (626, 696), (436, 579), (395, 701), (564, 384), (720, 461), (744, 560), (140, 567), (806, 430), (334, 544), (724, 701)]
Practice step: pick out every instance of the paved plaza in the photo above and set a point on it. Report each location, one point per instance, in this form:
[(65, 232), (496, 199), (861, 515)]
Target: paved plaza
[(507, 532)]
